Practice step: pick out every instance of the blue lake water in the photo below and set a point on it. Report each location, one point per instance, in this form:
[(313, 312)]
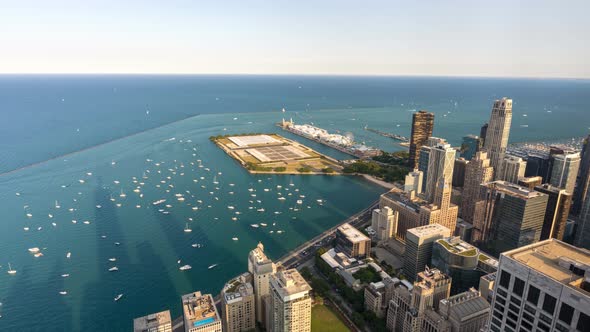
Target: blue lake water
[(162, 123)]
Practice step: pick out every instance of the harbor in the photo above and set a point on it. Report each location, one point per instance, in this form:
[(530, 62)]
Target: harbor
[(339, 142)]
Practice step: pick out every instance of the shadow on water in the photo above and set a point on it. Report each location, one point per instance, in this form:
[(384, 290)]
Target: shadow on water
[(50, 316)]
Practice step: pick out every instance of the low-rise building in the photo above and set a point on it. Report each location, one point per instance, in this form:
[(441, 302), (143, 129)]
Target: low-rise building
[(352, 242), (158, 322), (200, 313)]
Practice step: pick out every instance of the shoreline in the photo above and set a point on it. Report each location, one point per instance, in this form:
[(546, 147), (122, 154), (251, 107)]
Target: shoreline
[(377, 181)]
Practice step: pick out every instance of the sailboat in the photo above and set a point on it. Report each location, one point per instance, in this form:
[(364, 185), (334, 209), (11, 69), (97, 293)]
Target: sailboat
[(10, 270), (57, 206), (186, 229), (122, 193), (215, 180), (118, 297)]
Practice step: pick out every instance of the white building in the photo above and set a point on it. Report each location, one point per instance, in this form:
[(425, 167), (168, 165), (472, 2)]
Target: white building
[(413, 182), (261, 268), (565, 171), (291, 302), (511, 169), (498, 131), (384, 223)]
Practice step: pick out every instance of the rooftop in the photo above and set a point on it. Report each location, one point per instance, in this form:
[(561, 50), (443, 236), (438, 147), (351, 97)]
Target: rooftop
[(238, 288), (428, 230), (258, 256), (514, 189), (557, 260), (151, 321), (457, 246), (402, 198), (290, 282), (352, 234), (199, 309), (244, 141)]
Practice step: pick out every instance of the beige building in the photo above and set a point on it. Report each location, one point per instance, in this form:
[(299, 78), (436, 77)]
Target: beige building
[(477, 172), (291, 302), (384, 223), (238, 304), (413, 181), (158, 322), (352, 242), (565, 171), (544, 286), (498, 131), (200, 313), (415, 212), (511, 169), (419, 243), (261, 268), (440, 169)]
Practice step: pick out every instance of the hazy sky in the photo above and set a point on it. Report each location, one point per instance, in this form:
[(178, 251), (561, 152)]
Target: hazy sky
[(457, 38)]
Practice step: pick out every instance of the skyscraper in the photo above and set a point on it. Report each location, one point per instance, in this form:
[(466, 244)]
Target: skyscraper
[(413, 181), (384, 223), (261, 268), (440, 168), (565, 171), (459, 172), (469, 146), (477, 172), (419, 242), (539, 165), (238, 304), (581, 191), (542, 287), (498, 131), (558, 207), (513, 218), (422, 126), (291, 302), (511, 169), (483, 132)]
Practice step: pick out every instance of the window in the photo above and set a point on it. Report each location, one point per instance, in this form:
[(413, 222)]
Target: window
[(505, 279), (549, 304), (583, 322), (518, 287), (565, 313), (533, 296), (515, 301), (502, 292), (543, 327)]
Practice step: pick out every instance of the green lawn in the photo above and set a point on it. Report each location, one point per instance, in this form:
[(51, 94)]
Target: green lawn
[(324, 320)]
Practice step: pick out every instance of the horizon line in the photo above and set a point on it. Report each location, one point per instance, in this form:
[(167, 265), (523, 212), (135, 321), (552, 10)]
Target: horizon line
[(299, 74)]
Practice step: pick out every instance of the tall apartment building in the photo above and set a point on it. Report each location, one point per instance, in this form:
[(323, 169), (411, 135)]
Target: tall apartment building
[(238, 304), (459, 172), (512, 169), (565, 171), (158, 322), (352, 242), (513, 217), (477, 172), (419, 243), (291, 302), (498, 131), (261, 268), (440, 168), (558, 207), (424, 160), (384, 223), (438, 281), (469, 146), (581, 191), (413, 181), (422, 126), (544, 286), (200, 313), (483, 132)]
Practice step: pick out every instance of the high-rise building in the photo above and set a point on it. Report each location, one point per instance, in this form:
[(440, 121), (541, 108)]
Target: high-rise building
[(440, 168), (558, 207), (511, 169), (477, 172), (565, 171), (542, 287), (352, 242), (464, 263), (459, 172), (466, 312), (291, 302), (376, 295), (582, 234), (498, 131), (469, 146), (158, 322), (261, 268), (438, 281), (413, 181), (539, 164), (384, 223), (425, 295), (200, 313), (513, 217), (483, 131), (419, 243), (422, 126), (238, 304), (581, 191), (530, 182)]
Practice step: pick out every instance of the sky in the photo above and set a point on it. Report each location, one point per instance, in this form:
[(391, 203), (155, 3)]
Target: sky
[(431, 37)]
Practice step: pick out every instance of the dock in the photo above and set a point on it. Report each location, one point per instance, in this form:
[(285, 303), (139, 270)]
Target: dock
[(400, 138)]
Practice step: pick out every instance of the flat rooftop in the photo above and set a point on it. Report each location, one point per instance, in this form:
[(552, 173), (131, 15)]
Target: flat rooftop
[(352, 234), (238, 288), (151, 321), (245, 141), (428, 230), (290, 282), (199, 309), (515, 190), (554, 259)]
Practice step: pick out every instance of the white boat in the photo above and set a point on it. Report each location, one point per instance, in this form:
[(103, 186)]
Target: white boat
[(63, 293), (260, 210), (186, 229), (116, 182), (26, 229), (196, 245), (118, 297), (57, 206), (230, 207), (112, 259), (299, 201), (29, 215), (180, 199), (50, 215), (254, 225), (263, 224), (234, 238), (65, 275), (34, 250), (39, 254), (53, 224), (319, 201), (282, 198), (87, 222), (185, 267), (122, 194), (113, 269), (81, 181), (74, 221), (10, 270), (98, 206), (215, 180), (212, 266), (266, 189), (17, 194)]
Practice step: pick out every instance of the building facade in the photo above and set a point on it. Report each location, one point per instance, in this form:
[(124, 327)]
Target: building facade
[(413, 181), (291, 302), (477, 172), (512, 169), (419, 243), (352, 242), (238, 305), (565, 171), (581, 191), (261, 268), (469, 146), (422, 126), (440, 168), (459, 172), (158, 322), (200, 313), (384, 223), (498, 131), (559, 202)]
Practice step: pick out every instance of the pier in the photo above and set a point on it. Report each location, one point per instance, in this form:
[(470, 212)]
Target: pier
[(400, 138)]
